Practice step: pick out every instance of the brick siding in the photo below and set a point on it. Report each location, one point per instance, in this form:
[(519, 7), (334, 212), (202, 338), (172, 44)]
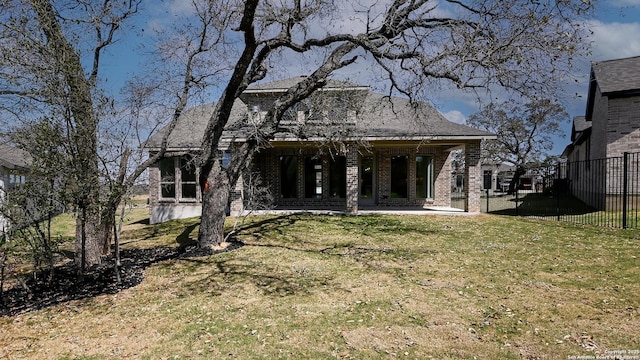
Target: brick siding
[(623, 130), (267, 164)]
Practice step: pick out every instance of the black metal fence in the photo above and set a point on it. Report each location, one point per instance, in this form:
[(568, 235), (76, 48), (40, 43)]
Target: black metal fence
[(602, 192)]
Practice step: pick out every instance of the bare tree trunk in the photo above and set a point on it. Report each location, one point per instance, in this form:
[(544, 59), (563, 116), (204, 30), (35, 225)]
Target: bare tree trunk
[(88, 249), (83, 131), (116, 245), (107, 224), (215, 187)]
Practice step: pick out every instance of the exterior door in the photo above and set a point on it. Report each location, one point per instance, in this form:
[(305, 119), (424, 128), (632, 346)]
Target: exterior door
[(367, 184)]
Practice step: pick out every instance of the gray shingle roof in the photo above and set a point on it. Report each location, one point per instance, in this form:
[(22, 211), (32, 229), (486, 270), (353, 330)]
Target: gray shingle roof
[(393, 116), (379, 117), (580, 126), (284, 84), (580, 123), (617, 75), (13, 158), (189, 130)]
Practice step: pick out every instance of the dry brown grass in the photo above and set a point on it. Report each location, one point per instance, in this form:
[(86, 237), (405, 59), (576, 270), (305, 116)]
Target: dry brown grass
[(360, 287)]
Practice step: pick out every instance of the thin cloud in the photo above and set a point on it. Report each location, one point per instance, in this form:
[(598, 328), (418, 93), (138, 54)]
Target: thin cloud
[(613, 40), (181, 7), (455, 116), (625, 2)]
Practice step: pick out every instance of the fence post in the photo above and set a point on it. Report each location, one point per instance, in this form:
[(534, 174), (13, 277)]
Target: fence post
[(556, 191), (487, 201), (625, 192), (517, 207)]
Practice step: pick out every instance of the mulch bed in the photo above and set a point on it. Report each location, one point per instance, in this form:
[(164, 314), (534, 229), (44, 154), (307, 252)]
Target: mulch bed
[(67, 285)]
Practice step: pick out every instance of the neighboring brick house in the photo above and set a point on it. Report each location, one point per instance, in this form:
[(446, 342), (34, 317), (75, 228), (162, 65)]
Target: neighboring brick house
[(14, 168), (390, 153), (610, 127)]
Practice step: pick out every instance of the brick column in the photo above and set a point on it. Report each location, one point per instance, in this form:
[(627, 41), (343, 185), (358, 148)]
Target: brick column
[(353, 178), (236, 206), (442, 170), (154, 184), (472, 177)]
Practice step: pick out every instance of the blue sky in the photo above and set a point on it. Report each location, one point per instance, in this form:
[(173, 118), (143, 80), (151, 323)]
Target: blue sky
[(616, 34)]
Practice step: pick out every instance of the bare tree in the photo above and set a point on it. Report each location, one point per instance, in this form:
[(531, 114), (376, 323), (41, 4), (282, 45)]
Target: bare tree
[(524, 132), (524, 46), (44, 72), (180, 68), (43, 68)]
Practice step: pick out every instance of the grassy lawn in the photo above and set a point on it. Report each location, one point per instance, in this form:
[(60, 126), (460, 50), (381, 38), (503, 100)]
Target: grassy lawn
[(357, 287)]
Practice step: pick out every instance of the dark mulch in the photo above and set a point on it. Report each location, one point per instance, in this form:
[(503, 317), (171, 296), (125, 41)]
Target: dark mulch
[(66, 285)]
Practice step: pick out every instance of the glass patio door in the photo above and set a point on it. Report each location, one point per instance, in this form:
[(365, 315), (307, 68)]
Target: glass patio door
[(367, 181)]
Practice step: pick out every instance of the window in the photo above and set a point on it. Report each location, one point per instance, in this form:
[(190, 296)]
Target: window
[(167, 178), (338, 177), (295, 114), (289, 177), (399, 176), (172, 186), (188, 177), (424, 177), (312, 177), (16, 180)]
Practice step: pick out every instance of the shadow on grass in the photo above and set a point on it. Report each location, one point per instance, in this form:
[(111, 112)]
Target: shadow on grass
[(184, 240), (67, 285), (367, 224), (542, 205), (144, 221), (376, 227), (228, 274)]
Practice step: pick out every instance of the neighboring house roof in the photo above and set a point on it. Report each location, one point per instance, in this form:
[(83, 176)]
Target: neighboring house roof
[(580, 131), (614, 78), (580, 128), (499, 167), (13, 158), (580, 124), (620, 75), (379, 117)]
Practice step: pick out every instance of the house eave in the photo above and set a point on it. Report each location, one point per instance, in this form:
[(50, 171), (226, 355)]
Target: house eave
[(12, 166), (283, 90), (175, 150), (224, 144), (622, 93), (455, 138)]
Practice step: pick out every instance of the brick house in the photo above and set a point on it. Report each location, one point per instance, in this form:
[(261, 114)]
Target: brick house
[(610, 127), (345, 148)]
